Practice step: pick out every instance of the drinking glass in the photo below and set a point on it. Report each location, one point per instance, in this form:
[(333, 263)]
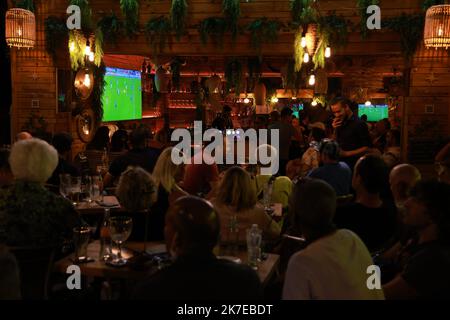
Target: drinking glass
[(96, 189), (75, 190), (81, 236), (64, 184), (120, 229)]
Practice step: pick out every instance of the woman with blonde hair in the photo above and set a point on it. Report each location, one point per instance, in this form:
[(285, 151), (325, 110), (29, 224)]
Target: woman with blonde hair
[(237, 206), (165, 174), (136, 192)]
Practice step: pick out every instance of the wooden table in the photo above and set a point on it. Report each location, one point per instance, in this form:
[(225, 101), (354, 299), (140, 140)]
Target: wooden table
[(98, 268)]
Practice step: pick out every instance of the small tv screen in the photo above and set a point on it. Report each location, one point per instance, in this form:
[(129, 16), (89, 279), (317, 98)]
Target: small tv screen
[(374, 112), (296, 108), (122, 95)]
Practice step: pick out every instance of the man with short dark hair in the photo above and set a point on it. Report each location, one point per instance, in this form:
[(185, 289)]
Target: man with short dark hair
[(139, 156), (336, 173), (287, 133), (223, 121), (334, 263), (63, 144), (370, 217), (191, 233), (351, 133)]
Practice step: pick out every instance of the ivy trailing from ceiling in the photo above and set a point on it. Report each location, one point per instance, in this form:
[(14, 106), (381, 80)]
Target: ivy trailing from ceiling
[(77, 46), (25, 4), (410, 28), (334, 29), (299, 51), (157, 31), (294, 79), (263, 31), (55, 33), (130, 10), (303, 12), (86, 14), (111, 27), (233, 75), (232, 11), (319, 56), (213, 28), (362, 7), (178, 15), (97, 91)]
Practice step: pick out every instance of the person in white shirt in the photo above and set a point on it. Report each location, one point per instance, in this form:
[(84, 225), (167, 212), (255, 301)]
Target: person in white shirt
[(334, 264)]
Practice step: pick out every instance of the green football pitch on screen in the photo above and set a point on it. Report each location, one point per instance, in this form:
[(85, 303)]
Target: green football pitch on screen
[(374, 112), (122, 95)]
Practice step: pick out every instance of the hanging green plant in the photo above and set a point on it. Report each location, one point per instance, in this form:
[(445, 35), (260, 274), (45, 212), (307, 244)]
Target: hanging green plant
[(178, 15), (111, 27), (232, 11), (213, 28), (263, 31), (97, 91), (25, 4), (335, 29), (233, 75), (98, 54), (299, 51), (303, 12), (77, 48), (362, 7), (86, 14), (319, 56), (410, 28), (294, 80), (55, 33), (130, 9), (157, 31)]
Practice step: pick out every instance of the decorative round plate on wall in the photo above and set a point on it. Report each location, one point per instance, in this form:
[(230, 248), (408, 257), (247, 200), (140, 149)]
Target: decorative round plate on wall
[(85, 123)]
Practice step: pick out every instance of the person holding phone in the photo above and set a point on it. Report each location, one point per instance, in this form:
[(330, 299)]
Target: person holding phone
[(351, 133)]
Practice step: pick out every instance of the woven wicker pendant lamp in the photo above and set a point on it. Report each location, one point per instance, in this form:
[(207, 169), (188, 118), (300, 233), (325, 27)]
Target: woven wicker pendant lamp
[(437, 27), (20, 28)]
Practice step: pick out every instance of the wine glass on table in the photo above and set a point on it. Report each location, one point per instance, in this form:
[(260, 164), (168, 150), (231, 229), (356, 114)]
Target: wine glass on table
[(64, 185), (120, 230)]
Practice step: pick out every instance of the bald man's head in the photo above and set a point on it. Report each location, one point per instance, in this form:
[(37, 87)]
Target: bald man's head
[(192, 226), (402, 179), (24, 135)]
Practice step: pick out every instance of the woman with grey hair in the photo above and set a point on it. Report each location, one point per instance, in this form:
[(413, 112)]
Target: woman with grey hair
[(30, 215), (136, 192)]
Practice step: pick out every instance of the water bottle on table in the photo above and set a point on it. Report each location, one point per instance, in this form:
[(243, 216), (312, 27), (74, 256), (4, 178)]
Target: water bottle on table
[(105, 238), (254, 238)]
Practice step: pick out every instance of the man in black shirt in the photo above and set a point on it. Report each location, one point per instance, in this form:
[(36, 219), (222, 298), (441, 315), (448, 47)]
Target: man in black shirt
[(426, 271), (139, 156), (63, 144), (191, 233), (351, 133), (223, 121)]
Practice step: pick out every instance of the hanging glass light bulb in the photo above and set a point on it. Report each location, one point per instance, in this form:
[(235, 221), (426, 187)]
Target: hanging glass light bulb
[(87, 80), (368, 103), (312, 80), (274, 99), (87, 50), (246, 100), (306, 57), (91, 57), (314, 103), (72, 46), (327, 52), (303, 42)]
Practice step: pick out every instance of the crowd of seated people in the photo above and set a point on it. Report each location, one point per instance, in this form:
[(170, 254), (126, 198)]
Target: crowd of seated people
[(393, 219)]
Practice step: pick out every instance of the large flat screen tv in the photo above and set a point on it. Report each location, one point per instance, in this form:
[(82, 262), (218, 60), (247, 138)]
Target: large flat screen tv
[(122, 95), (374, 112)]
